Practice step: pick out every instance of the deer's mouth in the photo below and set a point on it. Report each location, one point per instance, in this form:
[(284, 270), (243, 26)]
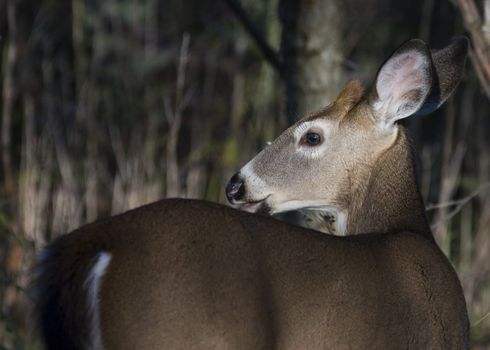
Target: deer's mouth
[(259, 206)]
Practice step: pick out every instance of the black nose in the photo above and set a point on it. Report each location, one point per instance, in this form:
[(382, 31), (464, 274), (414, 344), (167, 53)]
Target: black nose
[(235, 188)]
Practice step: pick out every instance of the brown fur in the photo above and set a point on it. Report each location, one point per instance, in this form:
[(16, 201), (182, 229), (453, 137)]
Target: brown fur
[(375, 207), (195, 275), (350, 95)]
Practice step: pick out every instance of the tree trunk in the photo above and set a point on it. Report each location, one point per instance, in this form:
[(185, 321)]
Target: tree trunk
[(312, 53), (10, 92)]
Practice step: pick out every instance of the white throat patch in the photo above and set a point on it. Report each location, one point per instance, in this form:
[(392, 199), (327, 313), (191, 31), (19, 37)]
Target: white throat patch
[(326, 219), (320, 216)]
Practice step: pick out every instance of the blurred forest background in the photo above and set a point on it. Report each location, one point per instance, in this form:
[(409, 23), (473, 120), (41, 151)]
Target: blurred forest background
[(108, 105)]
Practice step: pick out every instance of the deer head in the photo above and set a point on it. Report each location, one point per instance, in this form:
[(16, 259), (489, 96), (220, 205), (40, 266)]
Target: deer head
[(353, 158)]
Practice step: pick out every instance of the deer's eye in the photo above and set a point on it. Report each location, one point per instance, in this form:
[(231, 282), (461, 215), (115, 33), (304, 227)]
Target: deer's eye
[(312, 138)]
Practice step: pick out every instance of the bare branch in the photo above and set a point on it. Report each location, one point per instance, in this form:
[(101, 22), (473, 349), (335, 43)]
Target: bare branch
[(475, 26), (267, 51), (459, 204), (484, 82), (480, 320), (181, 99), (479, 265), (461, 201)]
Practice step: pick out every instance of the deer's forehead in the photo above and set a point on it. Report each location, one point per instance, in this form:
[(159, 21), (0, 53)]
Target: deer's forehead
[(350, 97)]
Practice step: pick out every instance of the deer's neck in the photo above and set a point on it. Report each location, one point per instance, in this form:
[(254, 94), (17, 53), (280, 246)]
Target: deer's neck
[(389, 199)]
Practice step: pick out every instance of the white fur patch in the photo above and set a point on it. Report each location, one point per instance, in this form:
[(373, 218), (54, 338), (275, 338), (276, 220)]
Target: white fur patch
[(253, 182), (316, 205), (92, 285), (341, 222)]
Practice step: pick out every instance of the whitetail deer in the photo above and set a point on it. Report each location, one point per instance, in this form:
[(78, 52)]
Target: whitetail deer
[(185, 274)]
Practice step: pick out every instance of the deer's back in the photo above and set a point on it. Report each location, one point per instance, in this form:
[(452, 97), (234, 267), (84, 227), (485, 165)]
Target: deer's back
[(189, 274)]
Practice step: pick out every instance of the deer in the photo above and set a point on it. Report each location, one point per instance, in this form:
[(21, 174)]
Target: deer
[(191, 274)]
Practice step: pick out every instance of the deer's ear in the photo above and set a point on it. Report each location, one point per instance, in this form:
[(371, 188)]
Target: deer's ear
[(449, 65), (402, 84)]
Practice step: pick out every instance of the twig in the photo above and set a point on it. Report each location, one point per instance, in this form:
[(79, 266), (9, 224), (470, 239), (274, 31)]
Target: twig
[(474, 25), (480, 320), (479, 265), (462, 201), (267, 51), (459, 205)]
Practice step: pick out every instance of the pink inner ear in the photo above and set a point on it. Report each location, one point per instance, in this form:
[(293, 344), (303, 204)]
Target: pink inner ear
[(401, 74)]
